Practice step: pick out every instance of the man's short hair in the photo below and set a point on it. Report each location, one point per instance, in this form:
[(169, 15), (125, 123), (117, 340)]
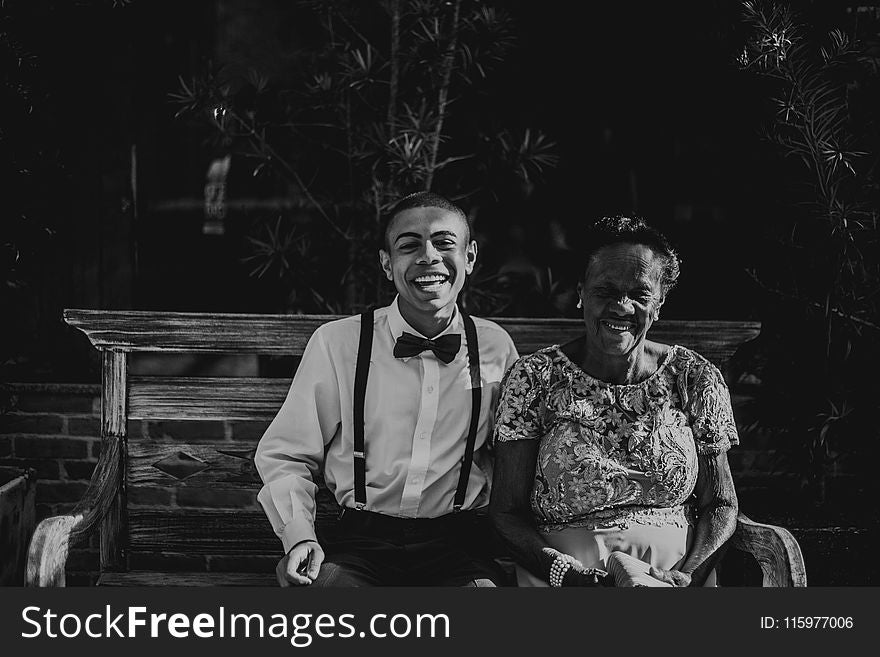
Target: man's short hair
[(422, 200)]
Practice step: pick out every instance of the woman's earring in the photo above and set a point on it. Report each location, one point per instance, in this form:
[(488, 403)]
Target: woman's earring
[(580, 303)]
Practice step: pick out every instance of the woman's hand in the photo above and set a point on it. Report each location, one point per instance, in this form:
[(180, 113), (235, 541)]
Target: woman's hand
[(577, 575), (673, 577)]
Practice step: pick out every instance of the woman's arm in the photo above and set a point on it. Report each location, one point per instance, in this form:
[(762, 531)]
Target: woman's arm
[(510, 509), (717, 509), (512, 515), (711, 419)]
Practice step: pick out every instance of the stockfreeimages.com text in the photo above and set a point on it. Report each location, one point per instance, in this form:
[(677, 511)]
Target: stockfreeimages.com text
[(300, 629)]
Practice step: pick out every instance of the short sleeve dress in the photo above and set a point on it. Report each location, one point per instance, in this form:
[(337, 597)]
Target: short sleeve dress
[(617, 464)]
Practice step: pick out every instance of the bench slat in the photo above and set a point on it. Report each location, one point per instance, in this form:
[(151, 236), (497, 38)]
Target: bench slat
[(197, 532), (219, 464), (215, 531), (205, 398), (156, 578), (202, 531), (243, 398), (288, 334), (134, 330)]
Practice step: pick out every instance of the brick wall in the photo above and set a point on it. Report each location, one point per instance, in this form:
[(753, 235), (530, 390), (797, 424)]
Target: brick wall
[(55, 429)]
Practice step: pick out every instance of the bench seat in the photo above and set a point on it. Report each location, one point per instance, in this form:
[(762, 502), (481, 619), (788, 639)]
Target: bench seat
[(173, 578), (774, 549), (179, 508)]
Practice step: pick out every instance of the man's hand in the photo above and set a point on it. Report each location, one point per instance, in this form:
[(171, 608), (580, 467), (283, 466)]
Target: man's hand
[(301, 565), (674, 577)]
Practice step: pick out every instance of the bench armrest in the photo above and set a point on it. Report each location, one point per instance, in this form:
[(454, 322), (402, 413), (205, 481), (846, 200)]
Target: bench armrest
[(47, 554), (775, 550)]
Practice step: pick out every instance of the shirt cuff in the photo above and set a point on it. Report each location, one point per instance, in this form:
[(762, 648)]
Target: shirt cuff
[(296, 531)]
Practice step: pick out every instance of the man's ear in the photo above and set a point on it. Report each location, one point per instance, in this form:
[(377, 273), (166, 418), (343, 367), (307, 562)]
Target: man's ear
[(470, 257), (385, 263)]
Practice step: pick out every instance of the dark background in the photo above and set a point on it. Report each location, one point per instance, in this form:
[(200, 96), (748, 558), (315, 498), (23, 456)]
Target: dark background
[(650, 113)]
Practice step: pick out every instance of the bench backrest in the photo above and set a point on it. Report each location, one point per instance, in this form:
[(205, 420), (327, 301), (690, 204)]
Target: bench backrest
[(189, 500)]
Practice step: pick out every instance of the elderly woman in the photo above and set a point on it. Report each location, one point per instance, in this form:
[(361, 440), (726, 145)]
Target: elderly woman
[(613, 442)]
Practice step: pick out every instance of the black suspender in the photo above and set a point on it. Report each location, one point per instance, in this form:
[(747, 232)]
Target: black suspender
[(362, 371), (470, 333)]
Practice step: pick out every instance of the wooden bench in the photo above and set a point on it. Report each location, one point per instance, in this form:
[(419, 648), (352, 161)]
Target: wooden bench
[(136, 538)]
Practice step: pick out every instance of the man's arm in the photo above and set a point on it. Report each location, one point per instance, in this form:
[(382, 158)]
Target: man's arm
[(291, 452)]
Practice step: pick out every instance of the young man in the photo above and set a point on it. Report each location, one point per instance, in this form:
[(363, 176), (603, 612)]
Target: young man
[(396, 408)]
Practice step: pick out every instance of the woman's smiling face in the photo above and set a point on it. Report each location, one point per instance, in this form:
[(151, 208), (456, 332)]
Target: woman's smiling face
[(428, 256), (622, 296)]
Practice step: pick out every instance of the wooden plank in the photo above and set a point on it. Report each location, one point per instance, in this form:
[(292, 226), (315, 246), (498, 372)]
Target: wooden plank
[(114, 410), (715, 340), (288, 334), (244, 398), (228, 465), (18, 519), (220, 532), (53, 537), (205, 398), (212, 531), (775, 550), (155, 578), (196, 332)]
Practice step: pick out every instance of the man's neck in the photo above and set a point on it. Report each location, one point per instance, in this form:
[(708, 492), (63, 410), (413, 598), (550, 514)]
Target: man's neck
[(428, 324)]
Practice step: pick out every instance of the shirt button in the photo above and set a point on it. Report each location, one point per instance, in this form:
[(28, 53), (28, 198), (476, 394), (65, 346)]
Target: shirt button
[(414, 480), (423, 435), (430, 389)]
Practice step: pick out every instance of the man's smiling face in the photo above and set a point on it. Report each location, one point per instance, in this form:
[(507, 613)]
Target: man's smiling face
[(428, 254)]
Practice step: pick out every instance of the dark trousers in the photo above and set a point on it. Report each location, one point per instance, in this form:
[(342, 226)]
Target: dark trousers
[(373, 549)]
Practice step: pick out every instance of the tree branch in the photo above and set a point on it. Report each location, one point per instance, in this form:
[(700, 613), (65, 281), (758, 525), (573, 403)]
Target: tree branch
[(290, 170), (395, 63), (448, 64), (814, 304)]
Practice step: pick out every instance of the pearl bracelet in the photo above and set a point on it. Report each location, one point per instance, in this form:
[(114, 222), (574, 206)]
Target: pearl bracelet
[(561, 565)]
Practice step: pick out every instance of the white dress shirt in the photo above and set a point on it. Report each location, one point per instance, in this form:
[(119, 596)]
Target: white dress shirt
[(416, 417)]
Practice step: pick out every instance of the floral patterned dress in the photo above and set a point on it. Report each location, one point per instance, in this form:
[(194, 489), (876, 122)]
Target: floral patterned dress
[(617, 464)]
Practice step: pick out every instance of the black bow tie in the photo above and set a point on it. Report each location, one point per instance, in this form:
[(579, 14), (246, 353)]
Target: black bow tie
[(445, 347)]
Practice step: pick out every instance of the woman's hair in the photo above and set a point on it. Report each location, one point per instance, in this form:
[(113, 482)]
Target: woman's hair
[(620, 229)]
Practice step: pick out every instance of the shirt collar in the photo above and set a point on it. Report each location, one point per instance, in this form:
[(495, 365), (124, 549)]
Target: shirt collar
[(397, 324)]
